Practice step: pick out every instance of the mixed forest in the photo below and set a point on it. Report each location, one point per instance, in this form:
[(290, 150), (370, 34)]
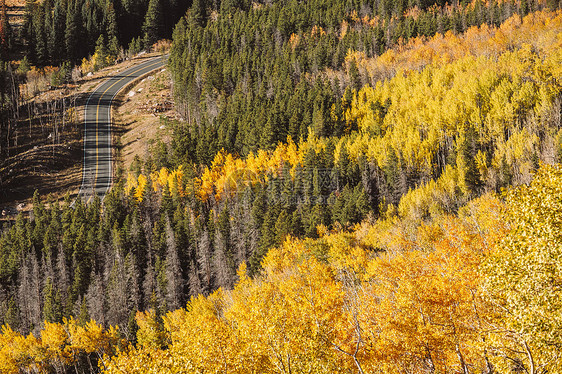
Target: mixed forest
[(355, 186)]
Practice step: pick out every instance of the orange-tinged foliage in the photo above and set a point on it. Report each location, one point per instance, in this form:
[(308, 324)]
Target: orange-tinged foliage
[(334, 304), (399, 294), (539, 29), (228, 173)]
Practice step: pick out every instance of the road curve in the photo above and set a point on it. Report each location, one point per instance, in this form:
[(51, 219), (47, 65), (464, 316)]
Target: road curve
[(97, 173)]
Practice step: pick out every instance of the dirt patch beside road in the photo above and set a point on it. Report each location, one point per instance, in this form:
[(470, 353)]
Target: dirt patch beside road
[(139, 117), (47, 151)]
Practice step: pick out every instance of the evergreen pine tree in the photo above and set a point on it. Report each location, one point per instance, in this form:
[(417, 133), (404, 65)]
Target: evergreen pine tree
[(153, 23), (39, 36), (198, 13), (5, 34), (48, 33), (52, 306), (112, 31), (9, 310), (57, 41), (83, 315), (71, 33), (27, 29), (101, 53), (466, 162)]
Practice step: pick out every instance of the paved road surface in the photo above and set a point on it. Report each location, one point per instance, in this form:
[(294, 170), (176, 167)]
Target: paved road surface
[(97, 173)]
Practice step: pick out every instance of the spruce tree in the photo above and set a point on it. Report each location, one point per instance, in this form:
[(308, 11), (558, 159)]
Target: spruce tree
[(5, 34), (83, 316), (112, 31), (101, 53), (466, 150), (52, 306), (71, 33), (10, 313), (48, 33), (27, 29), (57, 42), (198, 13), (39, 36), (153, 23)]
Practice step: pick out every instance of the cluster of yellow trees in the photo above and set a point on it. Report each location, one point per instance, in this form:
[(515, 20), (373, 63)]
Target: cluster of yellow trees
[(164, 178), (466, 293), (227, 173), (538, 29), (60, 346), (504, 84), (339, 304), (499, 97)]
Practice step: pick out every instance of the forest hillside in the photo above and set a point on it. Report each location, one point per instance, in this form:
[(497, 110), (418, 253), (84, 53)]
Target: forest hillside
[(353, 186)]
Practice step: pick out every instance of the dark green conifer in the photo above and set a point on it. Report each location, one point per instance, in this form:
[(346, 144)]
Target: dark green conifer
[(112, 30), (57, 35), (52, 306), (153, 23), (72, 33), (6, 37), (198, 13)]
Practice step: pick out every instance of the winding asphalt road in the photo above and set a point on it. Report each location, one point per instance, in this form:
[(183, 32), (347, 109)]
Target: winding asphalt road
[(97, 172)]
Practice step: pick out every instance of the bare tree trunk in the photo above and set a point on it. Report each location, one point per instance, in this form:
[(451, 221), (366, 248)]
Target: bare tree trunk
[(461, 359), (532, 369), (429, 360)]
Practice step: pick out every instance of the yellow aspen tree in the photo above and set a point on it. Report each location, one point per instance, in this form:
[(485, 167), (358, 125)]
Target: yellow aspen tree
[(522, 276)]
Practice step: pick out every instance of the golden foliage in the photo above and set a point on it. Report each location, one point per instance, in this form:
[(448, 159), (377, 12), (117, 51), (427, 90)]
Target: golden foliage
[(338, 304), (538, 29), (60, 346), (523, 275)]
